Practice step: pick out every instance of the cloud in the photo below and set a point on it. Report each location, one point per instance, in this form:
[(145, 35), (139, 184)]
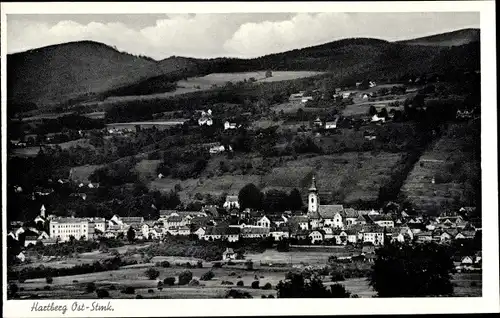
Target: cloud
[(307, 29), (213, 35)]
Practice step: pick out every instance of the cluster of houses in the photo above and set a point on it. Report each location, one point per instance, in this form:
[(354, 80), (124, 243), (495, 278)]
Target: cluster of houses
[(322, 224)]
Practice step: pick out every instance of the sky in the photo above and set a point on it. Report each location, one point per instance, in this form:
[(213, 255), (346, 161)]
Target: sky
[(206, 35)]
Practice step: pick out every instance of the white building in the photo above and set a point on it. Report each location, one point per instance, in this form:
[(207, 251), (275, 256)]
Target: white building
[(376, 119), (228, 125), (264, 222), (64, 228), (231, 202)]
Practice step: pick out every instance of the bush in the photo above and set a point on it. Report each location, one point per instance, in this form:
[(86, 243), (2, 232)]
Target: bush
[(270, 296), (226, 282), (150, 291), (240, 283), (249, 265), (160, 284), (129, 290), (21, 279), (263, 296), (234, 293), (165, 264), (337, 277), (75, 281), (194, 282), (199, 264), (138, 297), (267, 286), (208, 275), (255, 284), (169, 281), (152, 273), (112, 287), (185, 277), (46, 287), (49, 279), (188, 265), (217, 265), (90, 288), (232, 274), (102, 293)]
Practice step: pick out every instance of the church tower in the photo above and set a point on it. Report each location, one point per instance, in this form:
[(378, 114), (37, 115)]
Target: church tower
[(313, 198), (42, 211)]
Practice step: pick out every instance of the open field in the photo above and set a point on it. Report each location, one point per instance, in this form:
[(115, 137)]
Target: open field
[(95, 115), (362, 108), (341, 178), (293, 106), (26, 152), (46, 116), (82, 173), (194, 84), (147, 169), (356, 176), (83, 142), (468, 285), (160, 124), (451, 151)]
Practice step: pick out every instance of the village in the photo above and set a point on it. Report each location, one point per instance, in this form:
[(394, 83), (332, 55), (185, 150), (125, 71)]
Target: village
[(323, 225)]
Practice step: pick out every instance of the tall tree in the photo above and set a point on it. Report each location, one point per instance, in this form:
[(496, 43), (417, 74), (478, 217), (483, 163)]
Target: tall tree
[(295, 200), (250, 197), (130, 234), (412, 271)]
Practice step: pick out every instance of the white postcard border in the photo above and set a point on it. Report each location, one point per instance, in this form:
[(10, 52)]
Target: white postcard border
[(490, 302)]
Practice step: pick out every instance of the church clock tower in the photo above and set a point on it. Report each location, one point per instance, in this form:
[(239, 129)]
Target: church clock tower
[(313, 198)]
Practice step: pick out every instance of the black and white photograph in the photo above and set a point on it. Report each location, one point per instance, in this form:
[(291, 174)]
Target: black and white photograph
[(273, 153)]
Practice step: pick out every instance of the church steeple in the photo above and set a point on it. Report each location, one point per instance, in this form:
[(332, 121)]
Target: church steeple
[(313, 185), (42, 211), (313, 199)]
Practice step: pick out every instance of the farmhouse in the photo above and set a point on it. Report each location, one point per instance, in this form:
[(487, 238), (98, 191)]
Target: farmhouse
[(376, 119), (229, 125), (205, 118), (332, 124)]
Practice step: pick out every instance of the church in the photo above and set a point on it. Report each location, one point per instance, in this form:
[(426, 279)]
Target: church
[(323, 215)]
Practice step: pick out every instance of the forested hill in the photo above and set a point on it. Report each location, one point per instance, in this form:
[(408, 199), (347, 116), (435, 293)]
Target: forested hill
[(84, 70), (454, 38)]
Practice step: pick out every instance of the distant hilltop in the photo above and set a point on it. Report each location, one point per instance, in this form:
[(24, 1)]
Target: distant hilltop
[(454, 38), (69, 73)]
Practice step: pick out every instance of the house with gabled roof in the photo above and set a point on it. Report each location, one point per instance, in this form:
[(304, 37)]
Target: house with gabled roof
[(30, 240), (373, 234), (382, 220), (317, 236), (231, 202)]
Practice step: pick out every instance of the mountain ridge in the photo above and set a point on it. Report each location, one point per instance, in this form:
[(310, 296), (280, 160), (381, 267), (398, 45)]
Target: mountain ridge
[(82, 70)]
